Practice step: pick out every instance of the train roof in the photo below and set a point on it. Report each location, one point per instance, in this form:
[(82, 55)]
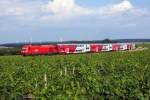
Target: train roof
[(93, 43)]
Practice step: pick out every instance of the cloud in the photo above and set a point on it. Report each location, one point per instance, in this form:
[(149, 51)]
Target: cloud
[(63, 10), (120, 8), (67, 13), (17, 9), (65, 7), (60, 6), (68, 9), (56, 10), (8, 8)]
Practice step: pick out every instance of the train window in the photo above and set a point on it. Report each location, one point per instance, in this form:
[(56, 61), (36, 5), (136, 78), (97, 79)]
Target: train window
[(24, 48), (78, 50), (80, 45), (105, 48), (121, 47)]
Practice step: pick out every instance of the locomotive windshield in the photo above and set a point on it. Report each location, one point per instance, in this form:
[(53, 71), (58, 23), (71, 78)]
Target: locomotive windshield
[(24, 48)]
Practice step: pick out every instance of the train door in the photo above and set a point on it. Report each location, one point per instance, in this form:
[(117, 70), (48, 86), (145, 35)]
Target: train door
[(110, 47), (67, 50), (87, 48), (80, 48), (97, 49), (133, 46), (123, 47)]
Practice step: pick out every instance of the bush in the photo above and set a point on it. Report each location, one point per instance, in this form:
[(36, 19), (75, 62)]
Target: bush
[(9, 51)]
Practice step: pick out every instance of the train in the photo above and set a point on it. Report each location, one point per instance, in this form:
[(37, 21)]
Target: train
[(74, 48)]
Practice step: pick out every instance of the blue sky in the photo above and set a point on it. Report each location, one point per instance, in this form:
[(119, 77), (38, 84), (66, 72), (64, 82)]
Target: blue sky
[(45, 20), (140, 3)]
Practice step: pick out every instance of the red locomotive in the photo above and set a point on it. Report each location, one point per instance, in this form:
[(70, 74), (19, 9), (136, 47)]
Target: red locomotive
[(38, 49), (74, 48)]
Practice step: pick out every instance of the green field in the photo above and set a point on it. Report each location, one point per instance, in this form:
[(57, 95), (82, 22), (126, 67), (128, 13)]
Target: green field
[(108, 76), (147, 45)]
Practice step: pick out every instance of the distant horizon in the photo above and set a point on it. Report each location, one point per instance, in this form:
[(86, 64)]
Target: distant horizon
[(73, 40)]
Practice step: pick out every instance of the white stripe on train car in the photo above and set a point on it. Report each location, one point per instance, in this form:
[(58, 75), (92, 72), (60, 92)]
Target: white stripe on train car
[(123, 46), (106, 47), (82, 48)]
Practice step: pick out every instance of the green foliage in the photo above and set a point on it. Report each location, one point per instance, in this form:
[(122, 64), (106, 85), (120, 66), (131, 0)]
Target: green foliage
[(103, 76), (9, 51), (147, 45)]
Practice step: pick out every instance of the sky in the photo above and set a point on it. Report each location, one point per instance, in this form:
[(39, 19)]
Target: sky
[(63, 20)]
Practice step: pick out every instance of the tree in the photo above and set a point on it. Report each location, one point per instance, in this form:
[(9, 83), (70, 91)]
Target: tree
[(107, 40)]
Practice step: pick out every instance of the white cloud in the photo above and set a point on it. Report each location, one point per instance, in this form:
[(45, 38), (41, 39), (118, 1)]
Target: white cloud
[(63, 10), (66, 9), (60, 6), (70, 7), (120, 8), (16, 9), (10, 8)]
